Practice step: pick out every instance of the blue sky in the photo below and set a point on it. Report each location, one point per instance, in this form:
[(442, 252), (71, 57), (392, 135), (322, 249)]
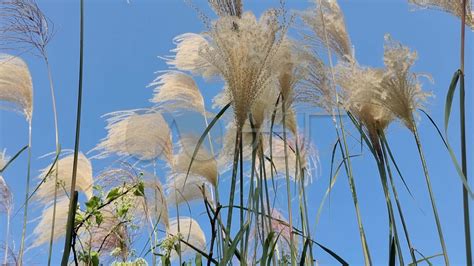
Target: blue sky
[(122, 45)]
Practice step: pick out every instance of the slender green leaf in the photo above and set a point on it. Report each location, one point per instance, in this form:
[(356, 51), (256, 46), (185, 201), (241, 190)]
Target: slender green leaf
[(229, 252), (447, 114), (13, 158)]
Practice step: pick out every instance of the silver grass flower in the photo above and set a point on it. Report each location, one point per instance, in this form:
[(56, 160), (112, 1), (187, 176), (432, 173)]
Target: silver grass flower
[(16, 86), (84, 180), (240, 50), (315, 89), (227, 7), (183, 190), (177, 91), (190, 55), (363, 97), (23, 25), (307, 159), (204, 164), (42, 231), (454, 7), (190, 232), (328, 24), (6, 197), (130, 133), (402, 92)]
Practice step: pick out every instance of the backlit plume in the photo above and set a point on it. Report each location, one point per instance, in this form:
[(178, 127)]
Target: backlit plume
[(453, 7), (176, 91), (16, 87), (130, 133), (239, 50), (84, 179)]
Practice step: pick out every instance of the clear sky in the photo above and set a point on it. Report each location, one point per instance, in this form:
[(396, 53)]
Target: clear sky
[(122, 44)]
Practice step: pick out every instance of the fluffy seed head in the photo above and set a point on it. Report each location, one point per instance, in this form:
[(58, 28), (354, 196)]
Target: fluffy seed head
[(327, 22), (363, 96), (176, 91), (16, 86), (190, 232), (42, 231), (130, 133), (227, 7), (239, 50), (454, 7), (402, 92), (204, 164), (84, 179), (181, 190), (190, 55)]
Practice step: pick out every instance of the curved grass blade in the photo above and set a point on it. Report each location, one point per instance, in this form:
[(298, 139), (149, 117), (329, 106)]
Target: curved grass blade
[(203, 136), (447, 114), (333, 254), (229, 251), (13, 158), (393, 252)]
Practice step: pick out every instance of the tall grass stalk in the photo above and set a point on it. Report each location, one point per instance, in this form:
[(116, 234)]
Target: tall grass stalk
[(288, 189), (302, 199), (344, 148), (380, 159), (385, 148), (235, 164), (72, 204), (462, 112), (430, 191), (27, 197), (56, 132), (214, 189)]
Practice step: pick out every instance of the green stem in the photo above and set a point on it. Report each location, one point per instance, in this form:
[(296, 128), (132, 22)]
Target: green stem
[(465, 196), (72, 205), (238, 137), (430, 191), (25, 213), (288, 190), (397, 201)]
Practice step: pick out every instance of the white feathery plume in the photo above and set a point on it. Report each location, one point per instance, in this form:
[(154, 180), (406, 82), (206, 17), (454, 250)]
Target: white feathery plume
[(362, 94), (190, 232), (42, 231), (329, 20), (177, 91), (454, 7), (240, 50), (190, 50), (204, 164), (227, 7), (16, 86), (315, 89), (130, 133), (402, 92), (307, 160), (6, 197), (84, 179), (182, 190)]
